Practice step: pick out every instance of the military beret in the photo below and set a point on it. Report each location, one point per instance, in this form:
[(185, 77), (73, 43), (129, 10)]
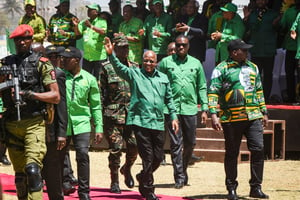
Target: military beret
[(53, 49), (120, 41), (22, 30), (71, 52)]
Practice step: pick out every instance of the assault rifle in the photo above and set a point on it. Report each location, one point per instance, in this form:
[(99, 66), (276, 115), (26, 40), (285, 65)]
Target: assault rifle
[(12, 82)]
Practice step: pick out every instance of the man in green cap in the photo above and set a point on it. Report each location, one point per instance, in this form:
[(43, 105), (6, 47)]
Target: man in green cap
[(116, 97), (36, 21), (232, 28), (93, 30), (61, 27), (157, 29)]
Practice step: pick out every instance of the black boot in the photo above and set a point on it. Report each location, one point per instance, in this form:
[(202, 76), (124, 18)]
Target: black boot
[(142, 190), (129, 182), (232, 195), (4, 160), (256, 192), (114, 188)]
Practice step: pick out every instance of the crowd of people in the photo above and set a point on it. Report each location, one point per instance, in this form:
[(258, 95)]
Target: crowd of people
[(128, 77)]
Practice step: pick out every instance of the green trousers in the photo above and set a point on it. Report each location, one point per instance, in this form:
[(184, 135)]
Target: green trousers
[(26, 145)]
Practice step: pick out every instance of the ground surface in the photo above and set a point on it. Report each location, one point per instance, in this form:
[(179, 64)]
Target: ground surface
[(281, 178)]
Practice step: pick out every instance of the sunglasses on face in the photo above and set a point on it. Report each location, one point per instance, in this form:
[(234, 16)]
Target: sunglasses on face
[(181, 44)]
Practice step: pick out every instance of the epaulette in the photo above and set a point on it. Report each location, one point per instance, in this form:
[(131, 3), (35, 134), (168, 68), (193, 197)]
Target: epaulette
[(44, 59)]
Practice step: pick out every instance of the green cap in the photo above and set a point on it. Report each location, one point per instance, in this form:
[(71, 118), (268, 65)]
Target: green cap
[(229, 7), (120, 41), (157, 1), (30, 2), (94, 6)]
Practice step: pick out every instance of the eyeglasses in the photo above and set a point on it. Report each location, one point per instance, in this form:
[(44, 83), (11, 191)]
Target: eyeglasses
[(151, 61), (181, 44)]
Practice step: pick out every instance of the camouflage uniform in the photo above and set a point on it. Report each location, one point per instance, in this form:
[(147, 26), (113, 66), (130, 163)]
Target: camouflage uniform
[(116, 97)]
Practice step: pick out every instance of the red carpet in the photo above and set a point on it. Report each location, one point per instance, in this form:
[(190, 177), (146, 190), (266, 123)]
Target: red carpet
[(96, 193)]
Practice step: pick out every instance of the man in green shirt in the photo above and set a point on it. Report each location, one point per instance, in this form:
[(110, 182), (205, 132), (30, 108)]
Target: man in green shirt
[(188, 85), (130, 28), (93, 31), (158, 28), (232, 27), (37, 22), (237, 87), (116, 17), (83, 102), (150, 92)]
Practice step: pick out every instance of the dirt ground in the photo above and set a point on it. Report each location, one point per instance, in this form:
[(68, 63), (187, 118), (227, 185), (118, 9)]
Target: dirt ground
[(206, 179)]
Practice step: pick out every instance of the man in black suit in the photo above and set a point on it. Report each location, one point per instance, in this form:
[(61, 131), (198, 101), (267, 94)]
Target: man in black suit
[(194, 26), (56, 133)]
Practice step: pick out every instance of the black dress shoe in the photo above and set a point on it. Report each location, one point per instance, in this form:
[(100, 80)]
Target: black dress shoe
[(179, 185), (73, 181), (232, 195), (257, 193), (141, 187), (84, 196), (114, 188), (68, 188), (4, 160), (129, 182), (194, 159), (151, 196)]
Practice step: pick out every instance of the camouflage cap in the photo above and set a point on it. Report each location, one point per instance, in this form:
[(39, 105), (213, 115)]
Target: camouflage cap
[(120, 41)]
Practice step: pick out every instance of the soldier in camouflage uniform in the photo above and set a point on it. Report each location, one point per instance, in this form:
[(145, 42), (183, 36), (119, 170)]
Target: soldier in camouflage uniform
[(116, 96)]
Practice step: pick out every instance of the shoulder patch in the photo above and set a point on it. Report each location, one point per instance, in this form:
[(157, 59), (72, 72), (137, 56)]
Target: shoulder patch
[(53, 75), (43, 59)]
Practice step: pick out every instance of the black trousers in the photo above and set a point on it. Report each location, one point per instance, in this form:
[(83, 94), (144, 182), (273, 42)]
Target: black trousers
[(291, 64), (233, 132), (182, 144), (150, 147), (52, 171), (93, 67), (265, 66), (81, 144), (68, 172)]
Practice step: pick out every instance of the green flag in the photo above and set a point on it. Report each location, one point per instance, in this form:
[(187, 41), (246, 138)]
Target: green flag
[(10, 45)]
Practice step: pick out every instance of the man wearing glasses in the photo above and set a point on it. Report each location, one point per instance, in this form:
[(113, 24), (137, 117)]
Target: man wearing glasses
[(188, 85)]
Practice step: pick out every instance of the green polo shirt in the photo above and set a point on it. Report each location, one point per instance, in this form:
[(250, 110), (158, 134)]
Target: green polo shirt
[(92, 41), (38, 24), (83, 101), (131, 28), (188, 83), (237, 88), (286, 23), (149, 95), (164, 25), (231, 30)]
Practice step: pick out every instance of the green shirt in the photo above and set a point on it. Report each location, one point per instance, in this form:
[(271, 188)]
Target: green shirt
[(188, 83), (38, 24), (214, 24), (63, 22), (164, 25), (262, 33), (92, 41), (286, 23), (149, 95), (131, 28), (231, 30), (238, 90), (296, 27), (116, 20), (83, 102)]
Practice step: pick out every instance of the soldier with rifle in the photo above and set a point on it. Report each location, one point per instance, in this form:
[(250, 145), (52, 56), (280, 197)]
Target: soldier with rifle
[(28, 82)]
